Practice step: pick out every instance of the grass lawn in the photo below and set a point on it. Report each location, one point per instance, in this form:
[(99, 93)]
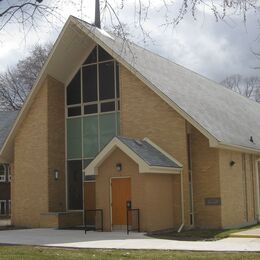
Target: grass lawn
[(30, 252), (207, 234)]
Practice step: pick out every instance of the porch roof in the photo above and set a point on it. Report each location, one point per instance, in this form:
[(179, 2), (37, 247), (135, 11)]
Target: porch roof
[(149, 157)]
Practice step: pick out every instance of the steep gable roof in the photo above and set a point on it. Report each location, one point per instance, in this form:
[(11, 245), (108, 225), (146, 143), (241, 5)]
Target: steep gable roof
[(219, 113), (224, 117)]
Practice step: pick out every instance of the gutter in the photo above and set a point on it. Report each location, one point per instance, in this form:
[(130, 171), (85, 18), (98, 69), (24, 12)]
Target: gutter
[(182, 205)]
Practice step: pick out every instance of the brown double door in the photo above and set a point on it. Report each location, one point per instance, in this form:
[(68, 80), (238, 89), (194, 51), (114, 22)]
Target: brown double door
[(121, 193)]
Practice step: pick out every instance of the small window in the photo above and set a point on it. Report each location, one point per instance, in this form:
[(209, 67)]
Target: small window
[(103, 55), (90, 109), (92, 58), (118, 105), (74, 111), (9, 207), (108, 106), (74, 91), (2, 173), (8, 173), (2, 207)]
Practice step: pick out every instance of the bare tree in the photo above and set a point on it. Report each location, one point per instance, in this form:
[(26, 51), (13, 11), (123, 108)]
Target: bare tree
[(16, 82), (26, 11), (246, 86)]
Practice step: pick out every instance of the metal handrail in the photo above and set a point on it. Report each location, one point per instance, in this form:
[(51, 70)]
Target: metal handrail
[(101, 217), (128, 220)]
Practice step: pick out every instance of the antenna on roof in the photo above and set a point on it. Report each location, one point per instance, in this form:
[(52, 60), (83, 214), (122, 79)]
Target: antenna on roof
[(97, 15)]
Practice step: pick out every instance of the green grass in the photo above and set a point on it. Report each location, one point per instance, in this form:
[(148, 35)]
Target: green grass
[(200, 234), (30, 252)]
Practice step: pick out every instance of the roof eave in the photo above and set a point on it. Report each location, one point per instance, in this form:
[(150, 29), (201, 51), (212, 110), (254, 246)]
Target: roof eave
[(92, 168), (237, 148), (6, 151)]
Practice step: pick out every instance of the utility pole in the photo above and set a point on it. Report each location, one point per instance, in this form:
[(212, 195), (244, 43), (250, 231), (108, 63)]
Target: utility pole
[(97, 15)]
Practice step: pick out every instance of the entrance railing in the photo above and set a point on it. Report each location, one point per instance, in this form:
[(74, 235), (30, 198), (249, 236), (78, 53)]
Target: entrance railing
[(93, 219), (132, 220)]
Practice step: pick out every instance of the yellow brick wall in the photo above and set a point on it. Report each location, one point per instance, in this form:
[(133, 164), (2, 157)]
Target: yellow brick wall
[(205, 172), (145, 114), (153, 194), (29, 184), (39, 149), (56, 145), (238, 190)]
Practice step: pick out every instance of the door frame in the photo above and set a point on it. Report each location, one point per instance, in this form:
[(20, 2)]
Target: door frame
[(110, 196)]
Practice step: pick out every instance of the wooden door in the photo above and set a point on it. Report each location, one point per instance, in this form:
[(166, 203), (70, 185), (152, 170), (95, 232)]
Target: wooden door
[(90, 195), (90, 201), (121, 193)]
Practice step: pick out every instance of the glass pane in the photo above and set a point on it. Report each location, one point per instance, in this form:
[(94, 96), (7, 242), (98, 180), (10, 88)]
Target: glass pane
[(86, 162), (117, 80), (91, 109), (103, 55), (75, 185), (90, 136), (2, 169), (109, 106), (92, 58), (89, 83), (106, 81), (74, 111), (74, 145), (107, 128), (73, 91)]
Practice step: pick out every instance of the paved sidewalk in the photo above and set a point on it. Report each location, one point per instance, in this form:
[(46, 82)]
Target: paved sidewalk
[(250, 233), (119, 240)]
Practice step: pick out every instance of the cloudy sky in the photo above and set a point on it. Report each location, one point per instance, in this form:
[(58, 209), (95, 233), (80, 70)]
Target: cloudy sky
[(213, 49)]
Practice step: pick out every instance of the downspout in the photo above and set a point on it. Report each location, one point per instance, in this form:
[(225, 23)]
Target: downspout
[(182, 204), (257, 190)]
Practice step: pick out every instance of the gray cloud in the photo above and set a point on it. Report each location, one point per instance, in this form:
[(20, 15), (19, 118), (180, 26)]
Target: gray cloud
[(213, 49)]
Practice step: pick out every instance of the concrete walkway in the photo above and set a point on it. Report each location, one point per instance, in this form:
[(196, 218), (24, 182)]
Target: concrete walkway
[(119, 240), (250, 233)]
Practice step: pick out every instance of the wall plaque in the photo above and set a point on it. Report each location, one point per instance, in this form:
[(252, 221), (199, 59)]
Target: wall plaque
[(213, 201)]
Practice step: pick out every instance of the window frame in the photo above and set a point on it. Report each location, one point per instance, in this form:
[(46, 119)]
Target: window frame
[(3, 175), (5, 209)]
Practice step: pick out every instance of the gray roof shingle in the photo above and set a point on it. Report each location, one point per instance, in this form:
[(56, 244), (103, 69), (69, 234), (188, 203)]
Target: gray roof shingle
[(151, 155), (229, 117), (7, 119)]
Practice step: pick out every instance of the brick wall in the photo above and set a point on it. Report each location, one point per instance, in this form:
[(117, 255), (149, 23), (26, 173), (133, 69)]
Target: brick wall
[(29, 182), (56, 145), (145, 114), (39, 149), (238, 191), (153, 194), (205, 171)]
